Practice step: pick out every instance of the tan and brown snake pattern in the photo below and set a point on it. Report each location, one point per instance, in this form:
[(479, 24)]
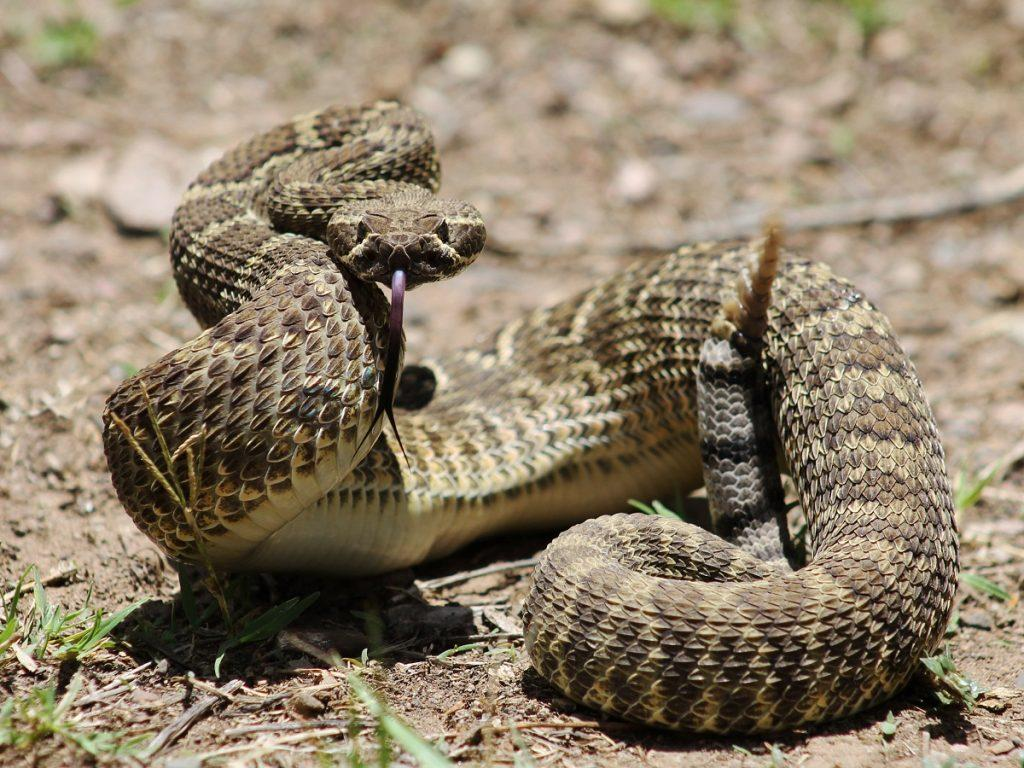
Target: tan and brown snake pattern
[(568, 412)]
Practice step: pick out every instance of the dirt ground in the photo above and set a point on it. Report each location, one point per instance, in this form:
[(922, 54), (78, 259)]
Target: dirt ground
[(589, 134)]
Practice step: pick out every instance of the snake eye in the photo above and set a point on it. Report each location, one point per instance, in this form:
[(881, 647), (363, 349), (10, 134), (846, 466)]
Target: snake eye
[(441, 230)]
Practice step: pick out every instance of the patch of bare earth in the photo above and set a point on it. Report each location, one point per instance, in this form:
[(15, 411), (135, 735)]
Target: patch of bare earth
[(590, 135)]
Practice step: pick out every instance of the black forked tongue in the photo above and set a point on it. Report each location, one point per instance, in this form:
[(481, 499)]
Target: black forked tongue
[(386, 397)]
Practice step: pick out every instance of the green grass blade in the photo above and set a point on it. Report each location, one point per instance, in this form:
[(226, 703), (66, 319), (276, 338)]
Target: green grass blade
[(11, 614), (664, 511), (647, 509), (888, 726), (982, 584), (100, 630), (421, 750), (188, 598), (655, 508), (459, 649), (969, 489), (74, 688), (274, 619), (265, 626), (949, 683)]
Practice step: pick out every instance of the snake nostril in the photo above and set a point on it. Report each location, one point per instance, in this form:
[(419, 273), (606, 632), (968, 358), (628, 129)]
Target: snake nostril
[(441, 230)]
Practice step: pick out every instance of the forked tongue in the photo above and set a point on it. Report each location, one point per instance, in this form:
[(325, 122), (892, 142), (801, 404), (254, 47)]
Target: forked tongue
[(394, 351)]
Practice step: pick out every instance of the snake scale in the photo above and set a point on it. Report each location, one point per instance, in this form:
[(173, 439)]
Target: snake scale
[(260, 444)]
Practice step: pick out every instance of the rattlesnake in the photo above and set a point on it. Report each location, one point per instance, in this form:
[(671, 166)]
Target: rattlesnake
[(259, 444)]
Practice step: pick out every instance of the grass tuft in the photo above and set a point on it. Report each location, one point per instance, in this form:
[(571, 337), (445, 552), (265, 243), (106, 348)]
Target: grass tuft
[(697, 15), (49, 631), (39, 715), (968, 487), (888, 727), (168, 479), (259, 629), (950, 685), (70, 43), (871, 15)]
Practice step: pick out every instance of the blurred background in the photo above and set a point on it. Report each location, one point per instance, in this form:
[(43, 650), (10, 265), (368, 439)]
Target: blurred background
[(590, 134)]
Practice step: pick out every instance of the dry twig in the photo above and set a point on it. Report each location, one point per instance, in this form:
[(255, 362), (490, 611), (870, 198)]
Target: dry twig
[(946, 201), (190, 717), (458, 578), (245, 730), (65, 571)]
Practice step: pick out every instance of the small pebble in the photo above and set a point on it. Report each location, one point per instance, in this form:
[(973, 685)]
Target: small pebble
[(893, 45), (713, 107), (635, 182), (81, 179), (467, 62), (792, 148), (306, 704), (976, 618), (1001, 747), (622, 13)]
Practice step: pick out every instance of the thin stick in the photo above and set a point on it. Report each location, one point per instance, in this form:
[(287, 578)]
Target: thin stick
[(458, 578), (103, 695), (65, 571), (245, 730), (948, 201), (489, 636), (265, 747), (536, 725), (532, 725), (190, 717), (211, 689)]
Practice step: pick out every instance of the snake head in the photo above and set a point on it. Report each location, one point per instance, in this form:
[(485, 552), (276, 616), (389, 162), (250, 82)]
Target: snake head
[(402, 239), (410, 230)]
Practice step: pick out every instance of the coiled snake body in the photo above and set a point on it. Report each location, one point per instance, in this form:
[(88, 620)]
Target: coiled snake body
[(259, 444)]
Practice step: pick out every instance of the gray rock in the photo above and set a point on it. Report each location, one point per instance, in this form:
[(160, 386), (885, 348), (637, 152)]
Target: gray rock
[(1015, 13), (792, 148), (81, 179), (444, 117), (638, 68), (976, 618), (145, 183), (714, 107)]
